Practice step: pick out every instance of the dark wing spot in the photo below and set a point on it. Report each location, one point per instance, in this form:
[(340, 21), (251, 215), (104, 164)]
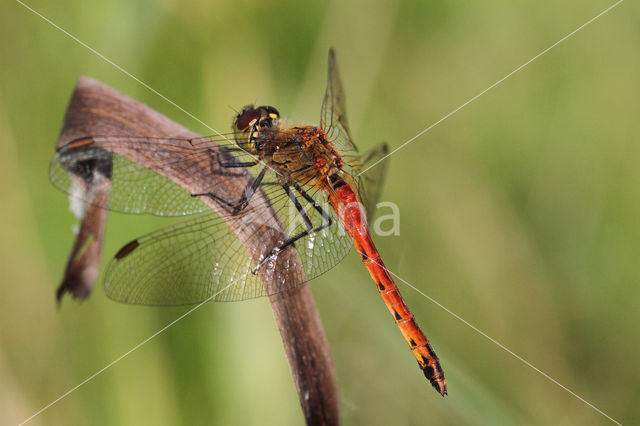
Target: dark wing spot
[(412, 343), (397, 315), (381, 286), (80, 142), (128, 248)]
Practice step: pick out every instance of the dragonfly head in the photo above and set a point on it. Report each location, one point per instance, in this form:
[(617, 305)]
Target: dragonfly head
[(251, 123)]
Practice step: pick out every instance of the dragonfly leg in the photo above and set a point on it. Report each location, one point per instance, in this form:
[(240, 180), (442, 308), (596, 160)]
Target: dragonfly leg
[(235, 162), (218, 169), (310, 229), (316, 206), (296, 202), (242, 202), (215, 167), (249, 190)]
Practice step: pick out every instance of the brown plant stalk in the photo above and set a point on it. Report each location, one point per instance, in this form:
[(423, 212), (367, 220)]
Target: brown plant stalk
[(96, 109)]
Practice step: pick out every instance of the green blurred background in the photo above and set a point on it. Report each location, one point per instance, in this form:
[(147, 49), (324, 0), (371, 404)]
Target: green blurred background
[(520, 213)]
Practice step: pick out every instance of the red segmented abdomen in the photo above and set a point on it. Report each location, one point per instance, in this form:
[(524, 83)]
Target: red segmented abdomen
[(345, 203)]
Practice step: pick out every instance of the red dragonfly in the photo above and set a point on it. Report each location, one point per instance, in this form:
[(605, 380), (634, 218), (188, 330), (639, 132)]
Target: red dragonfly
[(307, 175)]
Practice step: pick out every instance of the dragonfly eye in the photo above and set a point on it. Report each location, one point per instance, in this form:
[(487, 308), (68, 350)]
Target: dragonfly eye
[(251, 122), (247, 117), (265, 116)]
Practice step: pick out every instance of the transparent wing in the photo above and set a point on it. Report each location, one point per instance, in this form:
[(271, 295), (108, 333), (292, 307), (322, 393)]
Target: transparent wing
[(202, 259), (333, 117), (369, 171), (147, 175)]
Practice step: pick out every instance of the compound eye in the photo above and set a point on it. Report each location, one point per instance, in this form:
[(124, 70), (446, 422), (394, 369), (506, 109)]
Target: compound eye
[(247, 118)]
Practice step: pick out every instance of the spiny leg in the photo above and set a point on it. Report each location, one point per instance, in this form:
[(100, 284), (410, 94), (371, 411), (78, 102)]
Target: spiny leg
[(308, 225), (243, 201), (233, 163), (299, 207), (310, 229), (218, 169)]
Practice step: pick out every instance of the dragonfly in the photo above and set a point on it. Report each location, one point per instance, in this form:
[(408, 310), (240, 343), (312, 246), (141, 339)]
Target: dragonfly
[(298, 185)]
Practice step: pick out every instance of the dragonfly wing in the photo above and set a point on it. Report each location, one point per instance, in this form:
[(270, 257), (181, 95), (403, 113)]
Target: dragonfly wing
[(188, 263), (147, 175), (370, 170), (203, 259), (333, 117)]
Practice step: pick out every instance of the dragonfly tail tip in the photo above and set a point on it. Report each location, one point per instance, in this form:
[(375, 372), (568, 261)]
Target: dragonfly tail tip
[(441, 388)]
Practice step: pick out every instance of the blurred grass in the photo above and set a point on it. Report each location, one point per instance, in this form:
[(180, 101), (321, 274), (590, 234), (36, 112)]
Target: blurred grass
[(520, 212)]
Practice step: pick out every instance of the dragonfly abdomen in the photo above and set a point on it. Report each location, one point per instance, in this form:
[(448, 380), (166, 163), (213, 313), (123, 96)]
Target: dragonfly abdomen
[(404, 318), (346, 204)]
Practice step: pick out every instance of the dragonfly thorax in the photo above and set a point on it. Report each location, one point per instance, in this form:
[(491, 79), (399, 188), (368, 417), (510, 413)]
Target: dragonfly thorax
[(298, 153), (301, 154)]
